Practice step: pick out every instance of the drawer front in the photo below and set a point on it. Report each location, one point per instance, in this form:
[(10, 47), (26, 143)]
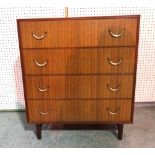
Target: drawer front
[(114, 110), (116, 60), (61, 87), (95, 32), (75, 87), (115, 86), (44, 111), (79, 110), (79, 61), (60, 61)]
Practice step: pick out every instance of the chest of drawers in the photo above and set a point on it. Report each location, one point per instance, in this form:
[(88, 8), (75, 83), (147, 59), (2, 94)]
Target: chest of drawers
[(79, 70)]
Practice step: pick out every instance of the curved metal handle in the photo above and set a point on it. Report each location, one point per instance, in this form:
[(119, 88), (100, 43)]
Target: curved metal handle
[(114, 63), (114, 89), (43, 113), (41, 90), (117, 35), (39, 37), (113, 113), (40, 65)]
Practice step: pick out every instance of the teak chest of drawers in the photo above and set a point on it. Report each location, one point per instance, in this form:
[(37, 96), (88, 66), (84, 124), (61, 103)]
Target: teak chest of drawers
[(79, 70)]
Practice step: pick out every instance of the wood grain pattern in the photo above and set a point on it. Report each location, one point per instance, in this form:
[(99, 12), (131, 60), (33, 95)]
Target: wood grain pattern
[(78, 33), (76, 87), (126, 55), (61, 87), (22, 68), (53, 108), (124, 113), (75, 110), (61, 61), (135, 68), (78, 71), (77, 18), (125, 82), (79, 61), (79, 111)]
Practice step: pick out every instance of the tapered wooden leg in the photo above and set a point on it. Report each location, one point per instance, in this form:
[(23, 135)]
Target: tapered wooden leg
[(38, 130), (120, 131)]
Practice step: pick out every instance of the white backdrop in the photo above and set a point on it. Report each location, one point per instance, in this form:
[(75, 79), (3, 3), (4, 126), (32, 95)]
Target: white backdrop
[(11, 87)]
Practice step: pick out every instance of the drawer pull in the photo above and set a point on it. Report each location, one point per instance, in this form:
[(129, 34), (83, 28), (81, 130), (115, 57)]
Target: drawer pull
[(39, 37), (113, 113), (41, 90), (114, 89), (43, 113), (40, 65), (116, 35), (114, 63)]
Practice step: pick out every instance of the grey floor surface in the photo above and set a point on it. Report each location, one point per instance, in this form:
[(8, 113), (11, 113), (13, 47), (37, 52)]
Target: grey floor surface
[(15, 132)]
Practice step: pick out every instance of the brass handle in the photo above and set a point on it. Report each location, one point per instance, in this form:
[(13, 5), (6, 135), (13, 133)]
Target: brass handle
[(113, 113), (41, 90), (114, 63), (43, 113), (117, 35), (40, 65), (39, 37), (114, 89)]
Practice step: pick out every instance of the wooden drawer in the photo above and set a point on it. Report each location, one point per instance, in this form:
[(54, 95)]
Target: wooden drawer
[(75, 87), (74, 111), (60, 61), (115, 86), (43, 111), (79, 61), (114, 110), (79, 110), (116, 60), (61, 87), (76, 32)]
